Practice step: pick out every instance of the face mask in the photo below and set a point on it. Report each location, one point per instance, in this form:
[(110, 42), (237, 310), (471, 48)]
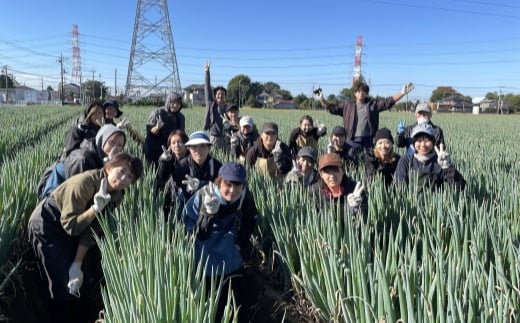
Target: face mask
[(422, 120)]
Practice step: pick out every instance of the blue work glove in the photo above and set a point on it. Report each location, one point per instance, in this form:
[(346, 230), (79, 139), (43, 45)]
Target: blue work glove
[(401, 126)]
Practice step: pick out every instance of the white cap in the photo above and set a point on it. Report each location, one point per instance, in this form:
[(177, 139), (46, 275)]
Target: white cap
[(246, 121)]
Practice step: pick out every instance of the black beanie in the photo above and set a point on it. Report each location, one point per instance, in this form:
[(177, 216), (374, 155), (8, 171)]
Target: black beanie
[(383, 133)]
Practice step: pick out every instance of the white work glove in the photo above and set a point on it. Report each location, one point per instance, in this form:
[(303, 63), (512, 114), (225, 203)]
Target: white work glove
[(401, 126), (75, 278), (407, 88), (234, 139), (102, 197), (159, 123), (211, 202), (330, 147), (354, 199), (207, 65), (166, 155), (123, 123), (277, 150), (443, 158), (110, 155), (225, 121), (192, 183), (321, 127), (295, 174), (318, 94)]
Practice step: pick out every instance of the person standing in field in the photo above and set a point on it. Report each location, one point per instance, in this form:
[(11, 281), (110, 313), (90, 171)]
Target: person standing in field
[(169, 161), (423, 114), (335, 188), (430, 164), (244, 139), (306, 135), (361, 116), (61, 231), (218, 115), (160, 124), (86, 127), (269, 154), (381, 159), (222, 216)]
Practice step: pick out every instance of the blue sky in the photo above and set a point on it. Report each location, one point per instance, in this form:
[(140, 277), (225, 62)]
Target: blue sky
[(473, 46)]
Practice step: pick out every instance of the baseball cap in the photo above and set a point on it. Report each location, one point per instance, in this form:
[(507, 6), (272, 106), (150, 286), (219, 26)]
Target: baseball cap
[(246, 121), (423, 128), (270, 127), (233, 172), (307, 151), (423, 107), (198, 138), (231, 107), (339, 131), (331, 159)]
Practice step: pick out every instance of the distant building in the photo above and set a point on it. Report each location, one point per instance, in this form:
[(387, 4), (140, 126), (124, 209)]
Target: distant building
[(454, 103), (284, 104), (194, 95)]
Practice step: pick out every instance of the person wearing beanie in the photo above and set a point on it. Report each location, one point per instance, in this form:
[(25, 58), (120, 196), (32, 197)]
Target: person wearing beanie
[(381, 159), (269, 154), (245, 138), (423, 114), (361, 116), (306, 134), (430, 164), (335, 189), (222, 216), (85, 127), (160, 124)]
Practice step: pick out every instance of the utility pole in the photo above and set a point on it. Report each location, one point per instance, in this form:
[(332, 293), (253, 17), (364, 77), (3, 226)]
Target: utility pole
[(60, 60), (115, 82), (6, 87), (239, 81)]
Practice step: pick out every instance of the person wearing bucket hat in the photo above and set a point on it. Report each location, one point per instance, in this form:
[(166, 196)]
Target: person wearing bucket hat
[(381, 159), (269, 154), (361, 116), (306, 134), (335, 188), (423, 114), (222, 216), (431, 165), (85, 127), (62, 230), (112, 111), (304, 167), (195, 170), (339, 145), (221, 119), (160, 124), (241, 141)]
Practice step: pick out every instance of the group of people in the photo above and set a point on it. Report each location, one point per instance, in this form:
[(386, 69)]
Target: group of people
[(211, 199)]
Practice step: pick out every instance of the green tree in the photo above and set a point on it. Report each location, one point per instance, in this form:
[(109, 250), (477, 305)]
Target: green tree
[(492, 96), (442, 92), (10, 83), (95, 90), (238, 89)]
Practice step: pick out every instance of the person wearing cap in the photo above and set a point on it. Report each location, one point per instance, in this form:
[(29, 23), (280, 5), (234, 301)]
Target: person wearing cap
[(304, 168), (381, 159), (269, 154), (423, 114), (241, 141), (168, 163), (336, 188), (431, 165), (85, 127), (112, 111), (361, 116), (338, 144), (222, 216), (108, 142), (231, 123), (195, 170), (219, 115), (61, 232), (306, 134), (160, 124)]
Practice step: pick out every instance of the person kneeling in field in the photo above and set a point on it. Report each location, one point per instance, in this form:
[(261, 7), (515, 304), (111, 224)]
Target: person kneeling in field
[(335, 187), (61, 234), (304, 170), (222, 215), (431, 164)]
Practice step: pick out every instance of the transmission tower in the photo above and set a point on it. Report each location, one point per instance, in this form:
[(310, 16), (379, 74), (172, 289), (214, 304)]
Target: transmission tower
[(76, 58), (152, 68), (357, 60)]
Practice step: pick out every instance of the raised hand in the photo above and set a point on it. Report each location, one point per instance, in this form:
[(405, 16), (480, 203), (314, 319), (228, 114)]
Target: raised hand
[(110, 155), (123, 123), (443, 158), (192, 183), (407, 88), (225, 121), (354, 199), (401, 126), (159, 123), (166, 154), (102, 197), (207, 65)]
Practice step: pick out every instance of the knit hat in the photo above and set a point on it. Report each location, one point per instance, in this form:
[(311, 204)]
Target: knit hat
[(246, 121), (423, 128), (307, 151), (383, 133), (339, 131), (106, 132), (270, 127), (423, 107), (331, 159), (231, 107), (233, 172), (115, 104), (198, 138)]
